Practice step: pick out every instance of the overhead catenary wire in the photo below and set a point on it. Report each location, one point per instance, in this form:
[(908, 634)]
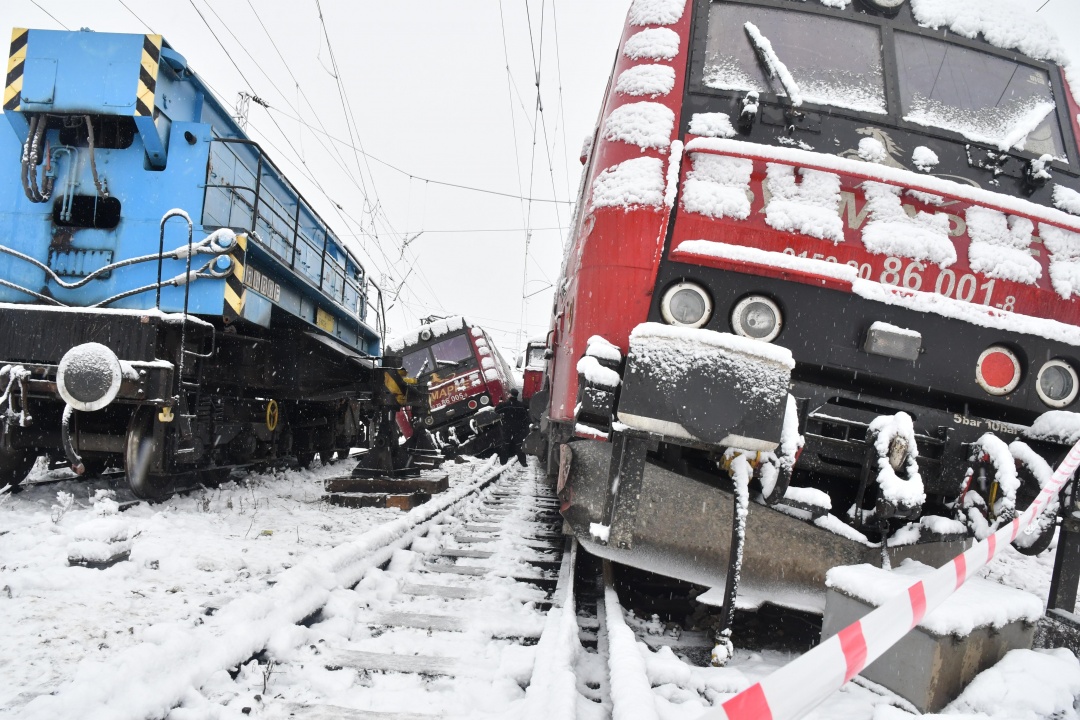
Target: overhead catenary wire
[(39, 7), (145, 24), (373, 221), (562, 112), (413, 176), (385, 271), (338, 208)]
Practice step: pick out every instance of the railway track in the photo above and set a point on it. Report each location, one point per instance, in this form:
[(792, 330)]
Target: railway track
[(474, 605), (437, 630)]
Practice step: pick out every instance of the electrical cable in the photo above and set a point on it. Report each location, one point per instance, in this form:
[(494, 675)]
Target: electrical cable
[(136, 16), (39, 7)]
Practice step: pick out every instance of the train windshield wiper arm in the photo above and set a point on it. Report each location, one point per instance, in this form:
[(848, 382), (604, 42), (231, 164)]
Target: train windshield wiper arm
[(1025, 125), (772, 63)]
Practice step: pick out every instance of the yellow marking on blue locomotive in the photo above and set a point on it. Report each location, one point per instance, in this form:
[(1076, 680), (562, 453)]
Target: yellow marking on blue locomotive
[(16, 64), (148, 72), (235, 290)]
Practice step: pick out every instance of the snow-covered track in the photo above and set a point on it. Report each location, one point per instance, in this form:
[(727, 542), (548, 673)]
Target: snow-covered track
[(454, 626), (152, 678)]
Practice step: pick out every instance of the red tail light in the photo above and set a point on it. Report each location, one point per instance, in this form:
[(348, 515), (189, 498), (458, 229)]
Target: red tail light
[(998, 370)]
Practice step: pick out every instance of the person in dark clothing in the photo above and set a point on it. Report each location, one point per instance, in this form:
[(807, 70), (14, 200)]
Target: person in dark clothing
[(514, 423)]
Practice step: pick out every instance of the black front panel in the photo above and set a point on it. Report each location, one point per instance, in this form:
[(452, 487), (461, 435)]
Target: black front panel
[(825, 330), (31, 335)]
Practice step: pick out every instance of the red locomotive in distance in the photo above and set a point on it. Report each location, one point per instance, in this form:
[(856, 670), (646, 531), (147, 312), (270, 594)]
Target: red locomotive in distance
[(839, 239), (533, 364), (467, 379)]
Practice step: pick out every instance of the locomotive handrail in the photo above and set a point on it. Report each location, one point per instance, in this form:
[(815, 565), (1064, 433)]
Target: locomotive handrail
[(291, 243), (187, 285)]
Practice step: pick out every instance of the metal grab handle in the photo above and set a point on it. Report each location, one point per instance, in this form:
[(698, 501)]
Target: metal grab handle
[(176, 212)]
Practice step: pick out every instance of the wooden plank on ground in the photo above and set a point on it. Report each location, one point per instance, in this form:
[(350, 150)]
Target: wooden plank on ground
[(447, 623), (457, 553), (384, 662), (391, 486), (378, 500), (334, 712), (456, 569), (444, 591)]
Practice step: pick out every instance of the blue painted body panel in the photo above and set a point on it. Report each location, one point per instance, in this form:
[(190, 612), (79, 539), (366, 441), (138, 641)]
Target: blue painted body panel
[(189, 155)]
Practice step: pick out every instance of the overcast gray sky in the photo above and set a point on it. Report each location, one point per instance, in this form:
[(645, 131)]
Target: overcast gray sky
[(428, 86)]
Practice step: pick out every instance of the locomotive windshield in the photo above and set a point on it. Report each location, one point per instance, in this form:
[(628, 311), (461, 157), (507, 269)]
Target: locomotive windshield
[(450, 354), (535, 356), (845, 74), (984, 97)]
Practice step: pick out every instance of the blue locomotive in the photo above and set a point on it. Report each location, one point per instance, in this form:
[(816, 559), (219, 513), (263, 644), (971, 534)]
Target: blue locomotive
[(168, 300)]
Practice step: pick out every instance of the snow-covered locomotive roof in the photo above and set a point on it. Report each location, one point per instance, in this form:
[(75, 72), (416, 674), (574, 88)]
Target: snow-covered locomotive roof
[(1006, 24), (437, 329)]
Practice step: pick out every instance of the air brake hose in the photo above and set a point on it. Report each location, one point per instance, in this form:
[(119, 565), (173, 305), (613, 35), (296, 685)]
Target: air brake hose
[(93, 165), (26, 158), (35, 148)]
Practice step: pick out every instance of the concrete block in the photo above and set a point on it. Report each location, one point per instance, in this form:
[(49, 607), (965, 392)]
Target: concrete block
[(929, 668)]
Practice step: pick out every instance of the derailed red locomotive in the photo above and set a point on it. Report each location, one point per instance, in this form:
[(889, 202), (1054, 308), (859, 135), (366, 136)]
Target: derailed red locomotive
[(467, 380), (837, 239)]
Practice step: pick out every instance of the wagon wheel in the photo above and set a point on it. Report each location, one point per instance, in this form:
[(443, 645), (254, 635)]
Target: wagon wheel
[(15, 465), (139, 452)]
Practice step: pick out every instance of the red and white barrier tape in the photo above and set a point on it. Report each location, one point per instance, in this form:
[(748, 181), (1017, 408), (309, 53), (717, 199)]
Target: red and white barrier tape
[(803, 684)]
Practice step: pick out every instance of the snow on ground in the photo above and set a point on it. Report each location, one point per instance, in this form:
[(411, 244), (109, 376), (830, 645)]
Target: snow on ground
[(187, 554), (195, 553)]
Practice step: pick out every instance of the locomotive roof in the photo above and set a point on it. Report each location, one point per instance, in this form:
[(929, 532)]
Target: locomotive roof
[(437, 328)]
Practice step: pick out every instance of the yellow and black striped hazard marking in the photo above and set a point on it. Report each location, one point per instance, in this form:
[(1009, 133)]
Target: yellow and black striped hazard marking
[(16, 65), (151, 54), (394, 386), (235, 291)]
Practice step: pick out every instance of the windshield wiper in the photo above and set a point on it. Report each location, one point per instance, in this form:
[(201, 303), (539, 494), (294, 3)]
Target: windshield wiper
[(1028, 123), (448, 363), (772, 63)]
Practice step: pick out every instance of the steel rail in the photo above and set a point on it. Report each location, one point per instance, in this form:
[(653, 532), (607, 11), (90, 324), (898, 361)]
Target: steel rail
[(148, 680)]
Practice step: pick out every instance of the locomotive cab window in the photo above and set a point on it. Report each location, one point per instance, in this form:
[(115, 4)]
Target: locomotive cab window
[(453, 352), (535, 357), (845, 72), (986, 98)]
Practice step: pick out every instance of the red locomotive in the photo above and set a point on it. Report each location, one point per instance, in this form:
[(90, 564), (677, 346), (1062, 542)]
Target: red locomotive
[(533, 364), (467, 380), (839, 239)]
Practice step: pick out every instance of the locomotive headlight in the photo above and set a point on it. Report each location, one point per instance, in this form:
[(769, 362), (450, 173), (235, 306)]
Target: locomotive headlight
[(88, 377), (686, 305), (1057, 383), (757, 317)]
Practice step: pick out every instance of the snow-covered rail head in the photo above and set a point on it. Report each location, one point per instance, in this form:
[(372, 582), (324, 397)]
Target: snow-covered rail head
[(801, 685)]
